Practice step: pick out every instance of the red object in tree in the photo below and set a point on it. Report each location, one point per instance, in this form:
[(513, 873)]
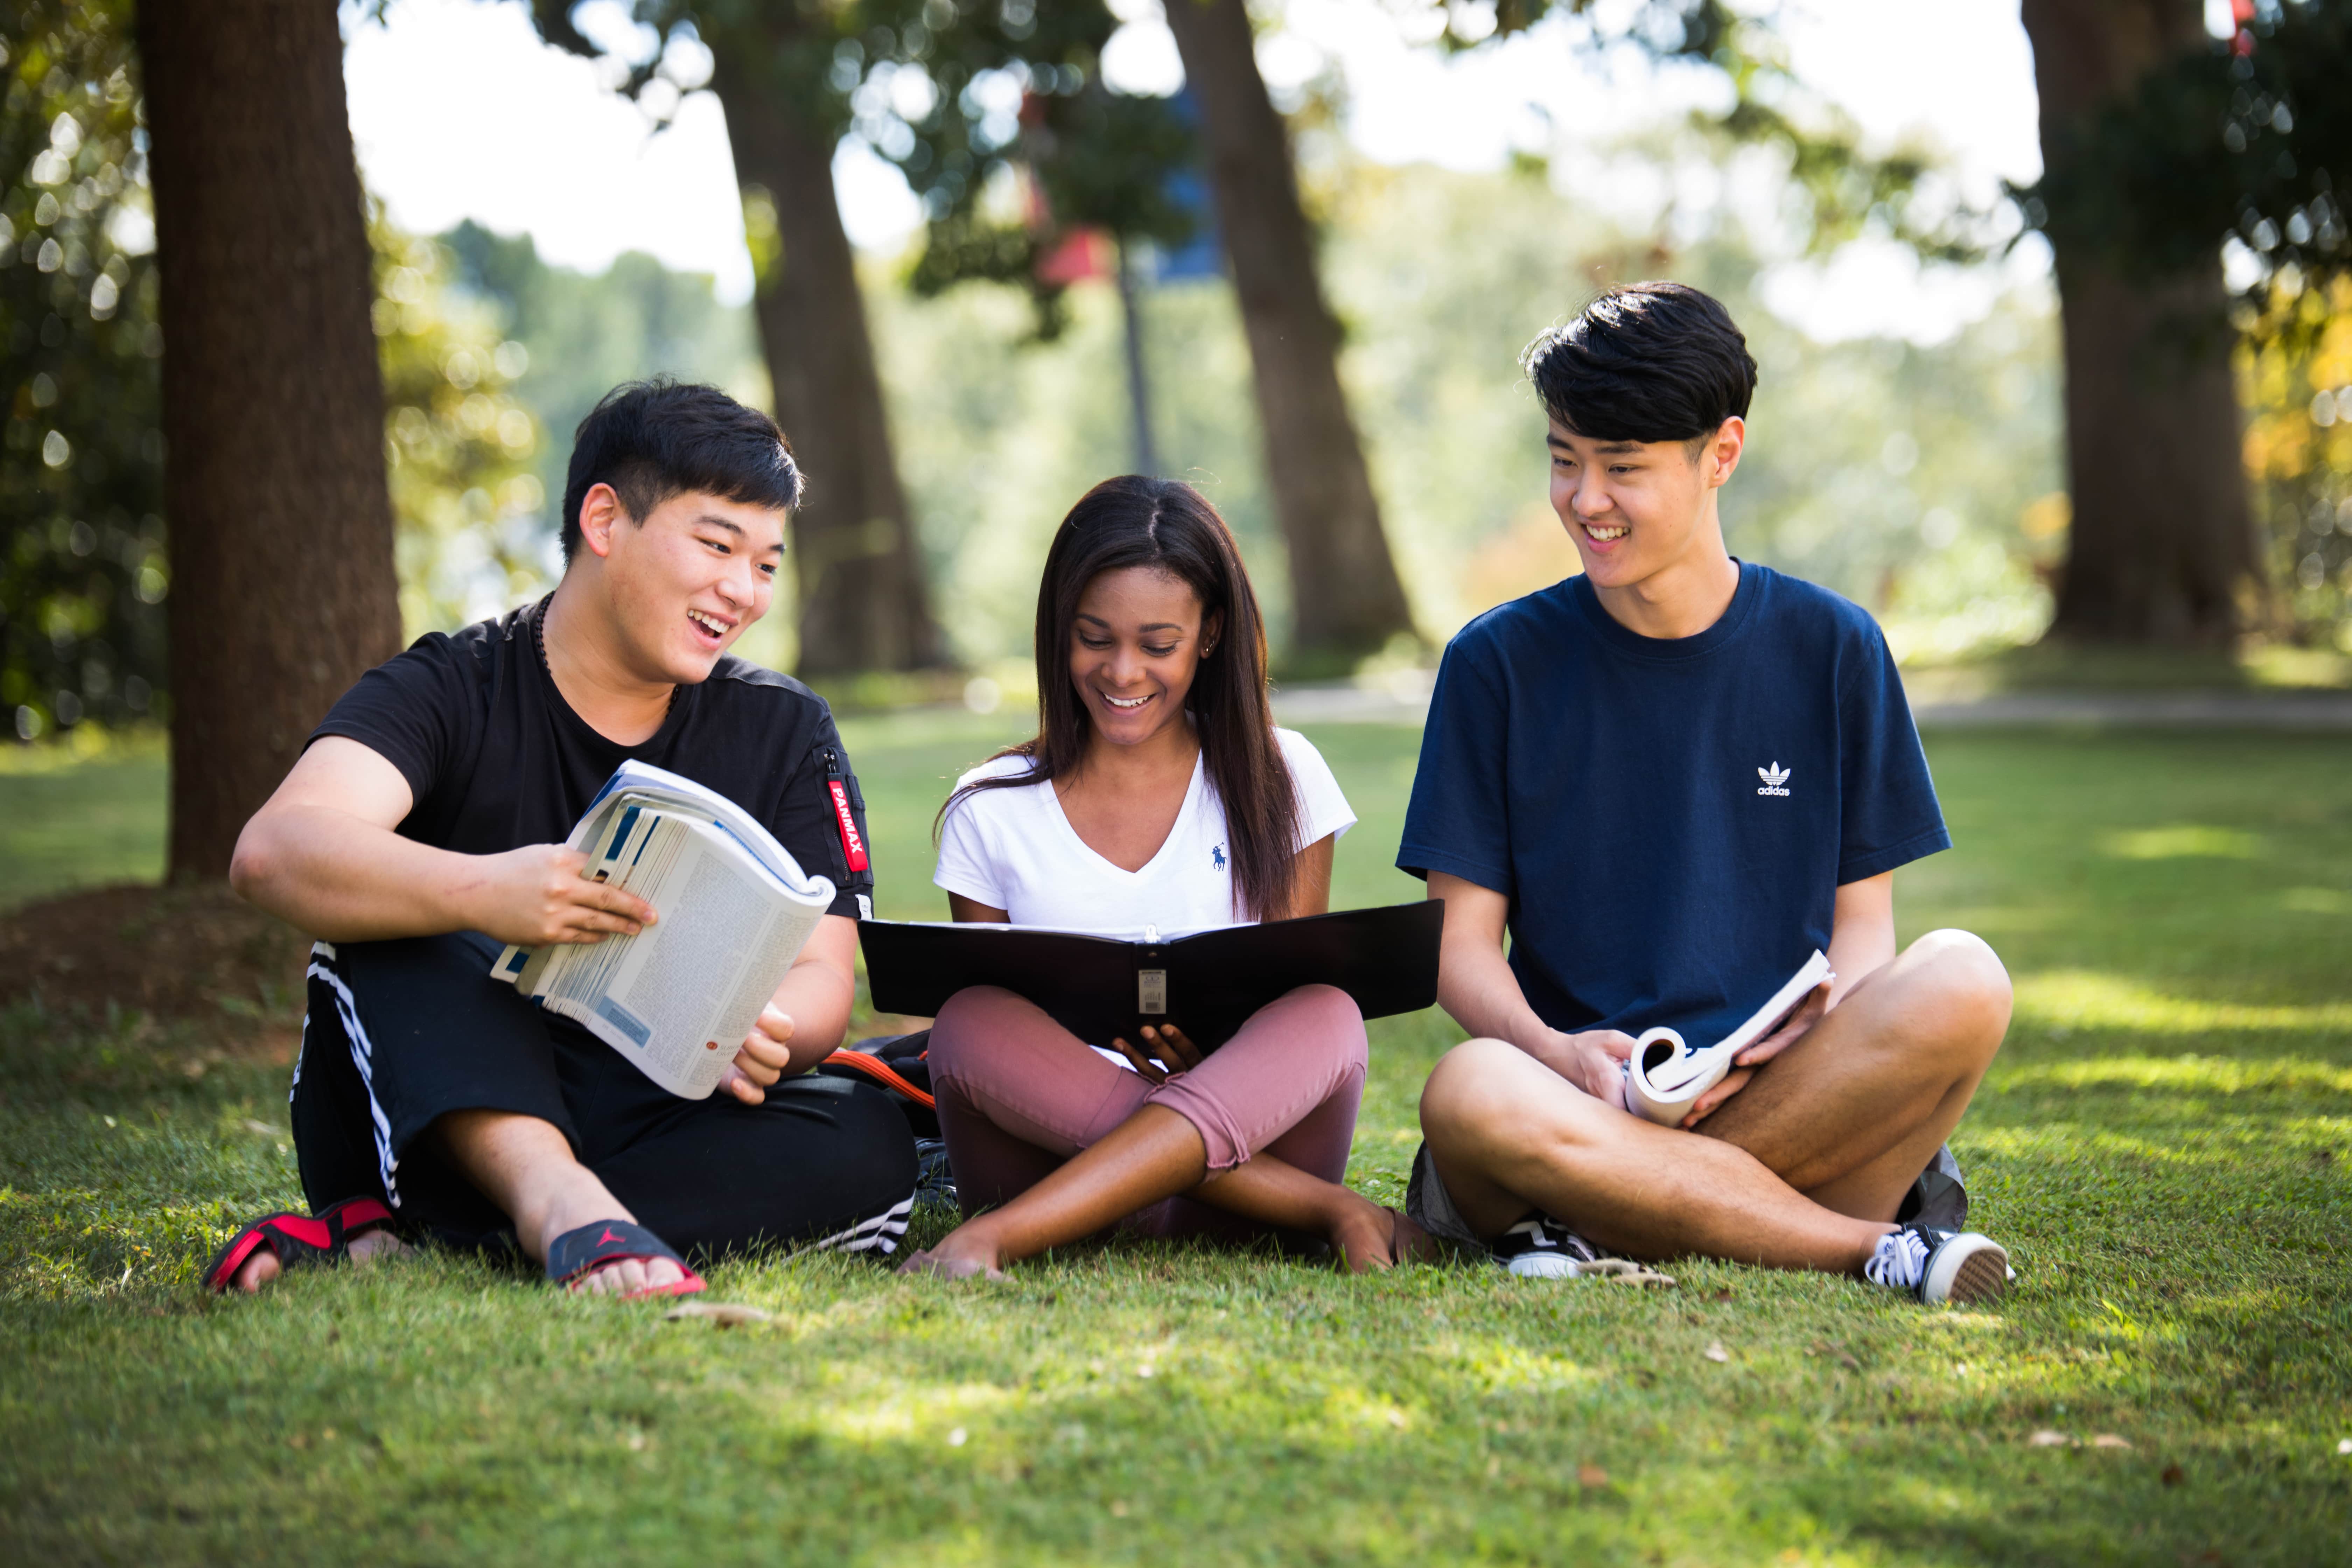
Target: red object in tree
[(1081, 254)]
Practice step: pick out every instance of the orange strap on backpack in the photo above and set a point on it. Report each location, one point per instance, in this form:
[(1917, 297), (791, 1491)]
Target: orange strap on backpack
[(883, 1073)]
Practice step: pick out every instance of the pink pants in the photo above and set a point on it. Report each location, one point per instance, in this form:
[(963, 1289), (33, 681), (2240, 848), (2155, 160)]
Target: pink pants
[(1018, 1094)]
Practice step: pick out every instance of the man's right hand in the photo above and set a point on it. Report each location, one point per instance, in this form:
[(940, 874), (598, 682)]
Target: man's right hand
[(536, 895), (1594, 1062)]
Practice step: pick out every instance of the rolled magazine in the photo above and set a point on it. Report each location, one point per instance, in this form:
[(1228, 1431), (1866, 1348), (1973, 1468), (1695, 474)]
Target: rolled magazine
[(1667, 1074), (735, 908)]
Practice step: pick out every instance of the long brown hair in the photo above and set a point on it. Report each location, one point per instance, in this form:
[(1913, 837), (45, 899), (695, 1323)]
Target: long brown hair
[(1170, 527)]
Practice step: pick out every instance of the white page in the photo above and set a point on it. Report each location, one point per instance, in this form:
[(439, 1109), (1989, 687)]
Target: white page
[(678, 998)]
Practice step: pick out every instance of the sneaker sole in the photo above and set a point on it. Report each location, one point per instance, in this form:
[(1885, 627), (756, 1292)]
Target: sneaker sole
[(1961, 1275), (1543, 1265)]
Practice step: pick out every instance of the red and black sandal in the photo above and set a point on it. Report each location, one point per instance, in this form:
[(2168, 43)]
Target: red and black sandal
[(593, 1246), (298, 1238)]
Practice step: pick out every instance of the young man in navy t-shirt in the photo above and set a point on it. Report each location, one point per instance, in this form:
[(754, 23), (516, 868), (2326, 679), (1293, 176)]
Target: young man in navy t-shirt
[(1670, 780)]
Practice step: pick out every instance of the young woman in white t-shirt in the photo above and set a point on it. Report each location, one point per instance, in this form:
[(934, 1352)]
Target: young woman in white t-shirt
[(1158, 792)]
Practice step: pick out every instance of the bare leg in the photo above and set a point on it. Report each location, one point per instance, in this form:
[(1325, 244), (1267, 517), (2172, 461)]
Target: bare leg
[(525, 1166), (1852, 1112), (1153, 1154), (1271, 1190), (1508, 1135), (1804, 1168)]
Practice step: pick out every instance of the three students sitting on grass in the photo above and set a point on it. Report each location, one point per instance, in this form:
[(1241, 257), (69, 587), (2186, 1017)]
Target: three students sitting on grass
[(1587, 785)]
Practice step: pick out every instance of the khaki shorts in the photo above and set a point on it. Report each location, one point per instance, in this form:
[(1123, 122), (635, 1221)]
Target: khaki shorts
[(1940, 1198)]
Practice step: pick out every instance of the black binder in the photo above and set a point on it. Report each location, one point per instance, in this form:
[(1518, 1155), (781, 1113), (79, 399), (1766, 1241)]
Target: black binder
[(1207, 984)]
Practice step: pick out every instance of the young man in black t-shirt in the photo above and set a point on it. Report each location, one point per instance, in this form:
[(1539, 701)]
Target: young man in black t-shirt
[(423, 828), (1669, 780)]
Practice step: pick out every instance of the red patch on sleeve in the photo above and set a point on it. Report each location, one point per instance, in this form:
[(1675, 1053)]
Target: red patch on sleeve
[(852, 843)]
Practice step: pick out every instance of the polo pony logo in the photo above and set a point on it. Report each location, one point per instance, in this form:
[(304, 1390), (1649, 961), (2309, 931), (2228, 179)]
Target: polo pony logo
[(1776, 779), (1217, 857)]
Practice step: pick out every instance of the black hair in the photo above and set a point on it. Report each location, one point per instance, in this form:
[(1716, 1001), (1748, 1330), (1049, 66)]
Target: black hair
[(651, 440), (1644, 362), (1168, 526)]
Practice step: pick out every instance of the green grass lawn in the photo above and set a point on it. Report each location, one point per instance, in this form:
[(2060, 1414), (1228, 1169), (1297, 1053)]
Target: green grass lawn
[(2166, 1145)]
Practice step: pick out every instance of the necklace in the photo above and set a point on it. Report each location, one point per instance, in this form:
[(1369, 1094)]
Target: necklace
[(537, 618)]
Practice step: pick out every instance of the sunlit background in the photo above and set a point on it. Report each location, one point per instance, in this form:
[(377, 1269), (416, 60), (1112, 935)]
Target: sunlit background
[(1906, 433), (549, 223)]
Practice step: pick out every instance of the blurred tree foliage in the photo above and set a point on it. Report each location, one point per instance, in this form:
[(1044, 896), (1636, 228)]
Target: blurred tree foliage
[(1021, 146), (584, 334), (82, 574), (2246, 138), (458, 443), (2295, 366), (1846, 191), (1922, 480), (862, 601), (2245, 143)]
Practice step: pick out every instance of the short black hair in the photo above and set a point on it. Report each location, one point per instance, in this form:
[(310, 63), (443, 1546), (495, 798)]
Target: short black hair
[(1644, 362), (651, 440)]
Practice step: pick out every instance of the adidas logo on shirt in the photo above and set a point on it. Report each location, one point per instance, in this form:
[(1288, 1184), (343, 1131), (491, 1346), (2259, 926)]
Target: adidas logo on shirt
[(1776, 779)]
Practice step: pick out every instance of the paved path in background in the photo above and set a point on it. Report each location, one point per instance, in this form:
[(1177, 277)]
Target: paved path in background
[(1408, 703)]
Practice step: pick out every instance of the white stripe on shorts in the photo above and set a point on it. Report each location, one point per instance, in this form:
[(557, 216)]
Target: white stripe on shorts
[(881, 1234), (323, 954)]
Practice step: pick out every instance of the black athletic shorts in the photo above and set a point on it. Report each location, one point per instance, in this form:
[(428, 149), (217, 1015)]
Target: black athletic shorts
[(401, 1032)]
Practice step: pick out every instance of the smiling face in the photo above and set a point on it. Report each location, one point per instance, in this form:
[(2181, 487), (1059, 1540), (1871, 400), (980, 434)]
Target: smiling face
[(1137, 640), (1639, 510), (684, 582)]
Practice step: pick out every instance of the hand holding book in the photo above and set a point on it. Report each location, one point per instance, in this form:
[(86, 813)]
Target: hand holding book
[(1792, 1030), (541, 895), (765, 1055), (1672, 1082), (1165, 1051)]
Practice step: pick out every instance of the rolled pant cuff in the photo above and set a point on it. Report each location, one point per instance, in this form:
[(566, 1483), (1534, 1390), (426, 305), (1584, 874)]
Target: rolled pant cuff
[(1222, 1137)]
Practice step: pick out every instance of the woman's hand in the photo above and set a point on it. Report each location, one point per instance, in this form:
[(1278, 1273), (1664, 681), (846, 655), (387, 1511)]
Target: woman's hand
[(1167, 1042)]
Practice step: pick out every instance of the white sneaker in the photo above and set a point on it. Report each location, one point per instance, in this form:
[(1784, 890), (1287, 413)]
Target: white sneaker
[(1538, 1248), (1960, 1268)]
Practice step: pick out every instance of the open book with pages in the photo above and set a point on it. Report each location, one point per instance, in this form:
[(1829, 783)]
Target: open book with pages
[(734, 907), (1666, 1073)]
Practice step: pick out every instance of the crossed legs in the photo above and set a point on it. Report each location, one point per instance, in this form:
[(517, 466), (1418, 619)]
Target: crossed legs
[(1802, 1169), (1052, 1143)]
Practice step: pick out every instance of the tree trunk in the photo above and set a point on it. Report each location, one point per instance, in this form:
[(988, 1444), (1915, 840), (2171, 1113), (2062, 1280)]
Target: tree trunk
[(1348, 601), (2162, 542), (862, 601), (282, 584)]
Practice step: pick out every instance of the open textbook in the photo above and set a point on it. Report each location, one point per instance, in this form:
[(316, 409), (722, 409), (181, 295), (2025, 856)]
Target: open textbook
[(1666, 1073), (1101, 986), (735, 908)]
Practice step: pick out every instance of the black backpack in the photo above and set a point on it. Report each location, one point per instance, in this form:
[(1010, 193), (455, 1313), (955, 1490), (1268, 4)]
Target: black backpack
[(899, 1066)]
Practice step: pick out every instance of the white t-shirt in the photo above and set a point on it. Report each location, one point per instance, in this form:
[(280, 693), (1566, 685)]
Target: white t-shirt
[(1013, 849)]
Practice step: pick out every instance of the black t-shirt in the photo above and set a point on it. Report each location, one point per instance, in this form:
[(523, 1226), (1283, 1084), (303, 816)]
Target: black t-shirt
[(496, 757)]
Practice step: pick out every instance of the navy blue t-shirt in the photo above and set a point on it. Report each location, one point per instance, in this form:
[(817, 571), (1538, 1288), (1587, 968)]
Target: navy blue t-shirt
[(1670, 818)]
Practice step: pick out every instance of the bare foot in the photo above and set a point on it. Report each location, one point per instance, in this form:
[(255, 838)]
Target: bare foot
[(1368, 1238), (263, 1267), (628, 1277), (258, 1271), (964, 1253), (937, 1263)]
